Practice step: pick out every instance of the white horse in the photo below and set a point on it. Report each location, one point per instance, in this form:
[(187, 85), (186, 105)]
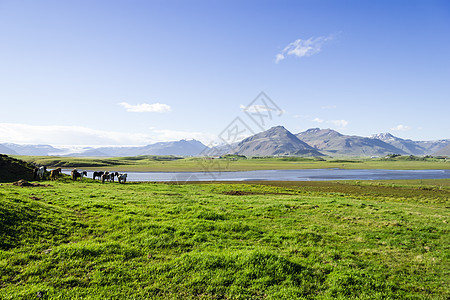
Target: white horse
[(40, 172), (122, 178)]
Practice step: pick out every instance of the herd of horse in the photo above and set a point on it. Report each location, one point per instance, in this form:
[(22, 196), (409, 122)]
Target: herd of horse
[(109, 176), (40, 172)]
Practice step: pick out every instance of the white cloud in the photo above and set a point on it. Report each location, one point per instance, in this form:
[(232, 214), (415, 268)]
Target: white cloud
[(83, 136), (301, 48), (318, 120), (279, 57), (145, 107), (401, 127), (339, 123), (67, 135)]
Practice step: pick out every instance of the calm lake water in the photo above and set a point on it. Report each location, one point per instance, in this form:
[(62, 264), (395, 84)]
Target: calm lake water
[(286, 175)]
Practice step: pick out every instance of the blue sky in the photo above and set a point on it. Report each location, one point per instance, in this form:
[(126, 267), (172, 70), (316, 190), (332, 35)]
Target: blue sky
[(138, 72)]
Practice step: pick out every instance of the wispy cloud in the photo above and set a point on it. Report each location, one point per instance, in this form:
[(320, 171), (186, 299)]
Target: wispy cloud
[(317, 120), (302, 48), (83, 136), (401, 127), (145, 107), (328, 107), (67, 135), (339, 123)]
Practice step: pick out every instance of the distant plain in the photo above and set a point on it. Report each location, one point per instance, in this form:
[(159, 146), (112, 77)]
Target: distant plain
[(148, 163)]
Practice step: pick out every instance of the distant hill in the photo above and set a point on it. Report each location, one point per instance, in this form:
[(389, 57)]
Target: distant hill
[(408, 146), (413, 147), (89, 153), (331, 142), (443, 152), (179, 148), (12, 169), (5, 150), (31, 149), (275, 141), (433, 146)]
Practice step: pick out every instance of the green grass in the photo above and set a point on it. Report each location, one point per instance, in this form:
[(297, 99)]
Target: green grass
[(285, 240), (173, 164)]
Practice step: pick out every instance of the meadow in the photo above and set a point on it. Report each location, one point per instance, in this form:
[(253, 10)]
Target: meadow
[(152, 163), (271, 240)]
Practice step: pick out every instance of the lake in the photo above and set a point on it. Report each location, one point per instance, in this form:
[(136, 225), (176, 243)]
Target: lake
[(286, 175)]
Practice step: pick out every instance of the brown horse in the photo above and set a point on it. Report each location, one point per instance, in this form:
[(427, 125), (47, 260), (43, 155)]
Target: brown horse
[(105, 176), (55, 173)]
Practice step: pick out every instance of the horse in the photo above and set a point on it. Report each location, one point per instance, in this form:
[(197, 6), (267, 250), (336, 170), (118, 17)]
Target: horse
[(112, 175), (105, 176), (82, 174), (122, 178), (75, 174), (41, 172), (55, 173), (98, 174)]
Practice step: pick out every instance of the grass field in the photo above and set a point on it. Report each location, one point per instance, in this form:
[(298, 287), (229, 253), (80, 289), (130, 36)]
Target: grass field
[(172, 164), (285, 240)]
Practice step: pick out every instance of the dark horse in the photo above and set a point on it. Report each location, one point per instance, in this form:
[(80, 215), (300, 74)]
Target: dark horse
[(75, 174), (98, 174), (109, 176), (112, 175)]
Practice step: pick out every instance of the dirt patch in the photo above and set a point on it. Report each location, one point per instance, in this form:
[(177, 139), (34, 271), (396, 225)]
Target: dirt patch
[(243, 193), (23, 182), (238, 193)]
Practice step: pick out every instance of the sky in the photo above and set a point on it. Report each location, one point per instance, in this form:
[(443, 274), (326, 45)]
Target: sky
[(138, 72)]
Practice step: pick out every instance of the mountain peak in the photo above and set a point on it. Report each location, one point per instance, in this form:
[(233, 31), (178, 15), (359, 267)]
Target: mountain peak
[(312, 130), (384, 136), (278, 128), (319, 132)]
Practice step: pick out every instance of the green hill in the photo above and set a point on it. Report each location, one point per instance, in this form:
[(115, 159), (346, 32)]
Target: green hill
[(12, 169)]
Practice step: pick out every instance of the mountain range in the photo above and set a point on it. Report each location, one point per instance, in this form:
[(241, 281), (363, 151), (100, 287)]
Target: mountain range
[(274, 141), (179, 148), (333, 143)]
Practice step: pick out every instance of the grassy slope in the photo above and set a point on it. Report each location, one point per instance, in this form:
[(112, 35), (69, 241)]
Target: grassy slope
[(146, 163), (323, 240), (12, 169)]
